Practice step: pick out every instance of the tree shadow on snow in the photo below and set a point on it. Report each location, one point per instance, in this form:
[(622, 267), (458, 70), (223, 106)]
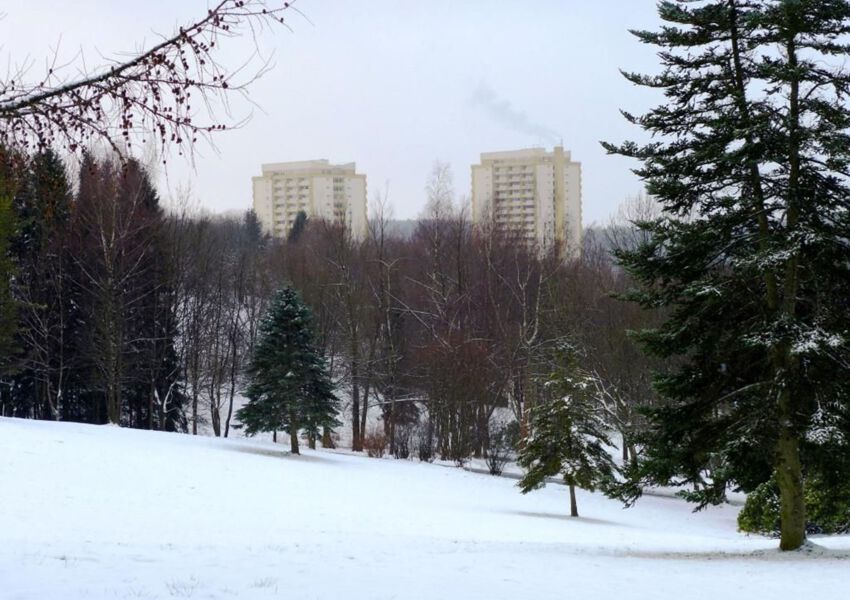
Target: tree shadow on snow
[(809, 550), (276, 453), (564, 517)]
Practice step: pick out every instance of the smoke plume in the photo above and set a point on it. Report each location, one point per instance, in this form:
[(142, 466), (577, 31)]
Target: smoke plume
[(503, 112)]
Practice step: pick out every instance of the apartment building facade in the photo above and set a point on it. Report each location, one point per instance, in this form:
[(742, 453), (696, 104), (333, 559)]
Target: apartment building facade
[(320, 189), (532, 192)]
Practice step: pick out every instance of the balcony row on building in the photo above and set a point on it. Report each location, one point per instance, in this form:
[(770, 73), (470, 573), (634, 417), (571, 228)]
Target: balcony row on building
[(533, 192)]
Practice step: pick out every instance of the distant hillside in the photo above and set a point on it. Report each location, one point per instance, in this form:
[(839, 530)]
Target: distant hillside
[(402, 227)]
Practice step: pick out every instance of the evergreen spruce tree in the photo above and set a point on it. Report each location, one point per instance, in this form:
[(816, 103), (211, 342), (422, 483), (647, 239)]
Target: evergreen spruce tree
[(12, 167), (127, 315), (289, 386), (43, 205), (298, 227), (750, 160), (153, 395), (253, 229), (8, 306), (567, 435)]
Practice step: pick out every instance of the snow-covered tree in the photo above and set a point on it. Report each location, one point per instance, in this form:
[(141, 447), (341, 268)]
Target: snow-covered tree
[(289, 384), (749, 158), (567, 436)]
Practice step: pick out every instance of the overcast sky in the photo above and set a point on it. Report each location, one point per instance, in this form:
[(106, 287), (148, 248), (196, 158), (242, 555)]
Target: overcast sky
[(392, 85)]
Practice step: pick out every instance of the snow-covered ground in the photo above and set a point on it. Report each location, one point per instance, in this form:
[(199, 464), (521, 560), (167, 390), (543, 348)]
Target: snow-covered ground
[(102, 512)]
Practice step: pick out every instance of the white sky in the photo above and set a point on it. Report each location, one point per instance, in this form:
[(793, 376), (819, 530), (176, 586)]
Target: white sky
[(392, 85)]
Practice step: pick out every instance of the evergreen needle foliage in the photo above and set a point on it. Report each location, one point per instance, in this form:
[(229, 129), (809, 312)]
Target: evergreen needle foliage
[(8, 306), (567, 434), (289, 386), (750, 160)]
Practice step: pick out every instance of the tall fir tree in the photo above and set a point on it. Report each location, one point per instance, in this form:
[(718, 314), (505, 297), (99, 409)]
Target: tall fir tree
[(253, 229), (8, 306), (567, 434), (127, 319), (750, 160), (11, 169), (298, 227), (289, 385), (43, 205), (154, 396)]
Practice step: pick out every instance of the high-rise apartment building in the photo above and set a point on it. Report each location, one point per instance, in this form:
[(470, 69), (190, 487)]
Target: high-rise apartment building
[(320, 189), (533, 192)]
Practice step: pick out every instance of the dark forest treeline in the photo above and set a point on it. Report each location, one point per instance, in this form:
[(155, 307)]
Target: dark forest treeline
[(125, 314), (94, 297)]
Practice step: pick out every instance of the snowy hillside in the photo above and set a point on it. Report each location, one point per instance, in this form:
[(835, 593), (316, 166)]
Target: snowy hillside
[(102, 512)]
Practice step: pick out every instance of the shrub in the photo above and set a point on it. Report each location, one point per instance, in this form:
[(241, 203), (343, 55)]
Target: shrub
[(375, 443), (761, 510), (827, 508), (512, 434), (499, 449), (425, 444), (401, 448), (460, 460)]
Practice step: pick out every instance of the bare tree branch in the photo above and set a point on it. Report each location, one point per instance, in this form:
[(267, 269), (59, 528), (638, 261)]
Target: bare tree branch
[(155, 95)]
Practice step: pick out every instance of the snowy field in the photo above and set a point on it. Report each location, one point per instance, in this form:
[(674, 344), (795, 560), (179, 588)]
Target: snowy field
[(102, 512)]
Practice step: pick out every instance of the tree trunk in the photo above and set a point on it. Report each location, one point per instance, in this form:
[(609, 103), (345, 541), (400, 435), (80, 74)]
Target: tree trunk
[(194, 410), (573, 504), (327, 440), (113, 404), (788, 470), (293, 433), (233, 374), (356, 434), (163, 410), (150, 408), (364, 409), (230, 401), (789, 477), (391, 424), (789, 474), (215, 414)]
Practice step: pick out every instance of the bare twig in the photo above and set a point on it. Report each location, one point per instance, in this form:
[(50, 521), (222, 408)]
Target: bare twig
[(154, 95)]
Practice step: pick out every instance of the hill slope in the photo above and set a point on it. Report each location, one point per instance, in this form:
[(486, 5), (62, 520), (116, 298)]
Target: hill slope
[(102, 512)]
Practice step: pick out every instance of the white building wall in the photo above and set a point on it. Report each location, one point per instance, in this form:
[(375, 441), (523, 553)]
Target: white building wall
[(572, 174), (500, 195), (263, 203), (545, 184), (323, 197), (482, 193), (320, 189), (357, 216)]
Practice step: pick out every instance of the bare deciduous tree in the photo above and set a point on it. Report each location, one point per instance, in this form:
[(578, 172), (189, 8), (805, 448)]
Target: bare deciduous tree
[(154, 95)]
